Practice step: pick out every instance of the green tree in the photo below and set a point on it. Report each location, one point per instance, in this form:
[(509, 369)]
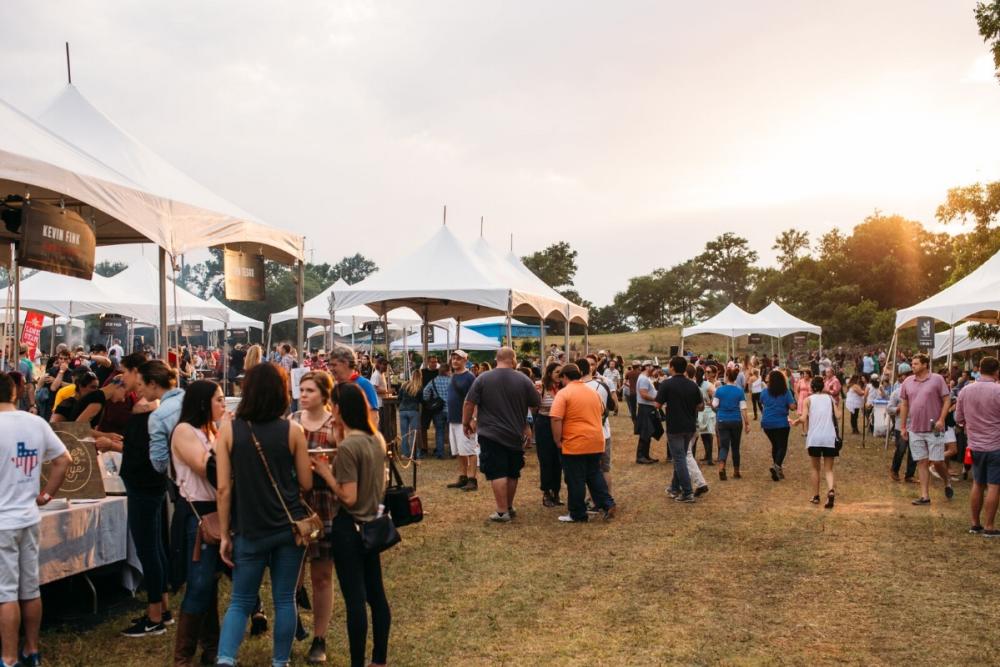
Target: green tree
[(988, 19), (108, 268), (790, 244), (555, 265), (728, 262), (980, 204), (352, 269), (608, 319)]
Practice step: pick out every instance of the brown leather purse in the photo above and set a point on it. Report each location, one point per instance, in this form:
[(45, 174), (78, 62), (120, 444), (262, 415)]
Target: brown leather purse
[(307, 530), (209, 531)]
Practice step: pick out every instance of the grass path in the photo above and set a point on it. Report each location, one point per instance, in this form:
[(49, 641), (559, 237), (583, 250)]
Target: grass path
[(753, 574)]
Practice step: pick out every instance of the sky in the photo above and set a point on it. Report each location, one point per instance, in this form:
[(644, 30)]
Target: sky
[(636, 131)]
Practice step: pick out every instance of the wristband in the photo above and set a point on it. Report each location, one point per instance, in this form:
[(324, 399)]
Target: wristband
[(46, 497)]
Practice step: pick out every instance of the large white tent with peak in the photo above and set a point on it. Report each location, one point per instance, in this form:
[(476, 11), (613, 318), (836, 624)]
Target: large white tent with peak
[(732, 322)]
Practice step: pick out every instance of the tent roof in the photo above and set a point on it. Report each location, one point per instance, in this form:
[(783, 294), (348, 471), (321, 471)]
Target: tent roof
[(317, 310), (137, 283), (963, 341), (54, 294), (784, 323), (974, 297), (134, 195), (445, 277), (731, 321), (577, 313), (444, 339)]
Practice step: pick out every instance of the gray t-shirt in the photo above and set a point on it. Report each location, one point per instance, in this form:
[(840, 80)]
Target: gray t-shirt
[(503, 396), (644, 383)]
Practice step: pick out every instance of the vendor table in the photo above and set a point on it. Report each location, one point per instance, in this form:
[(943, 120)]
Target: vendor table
[(85, 536)]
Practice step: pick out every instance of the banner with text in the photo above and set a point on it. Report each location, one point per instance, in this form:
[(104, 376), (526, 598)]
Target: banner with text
[(244, 276), (56, 240), (925, 333), (31, 332)]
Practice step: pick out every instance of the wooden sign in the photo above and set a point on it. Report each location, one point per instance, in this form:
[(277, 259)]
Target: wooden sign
[(244, 276), (191, 328), (56, 240), (83, 477)]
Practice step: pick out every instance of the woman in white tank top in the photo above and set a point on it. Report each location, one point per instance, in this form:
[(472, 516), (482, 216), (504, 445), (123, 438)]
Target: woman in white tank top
[(819, 413)]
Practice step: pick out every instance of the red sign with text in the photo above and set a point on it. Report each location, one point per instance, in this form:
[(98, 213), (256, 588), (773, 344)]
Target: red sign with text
[(31, 332)]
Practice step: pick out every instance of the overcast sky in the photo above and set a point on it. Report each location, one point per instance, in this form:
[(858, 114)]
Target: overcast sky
[(637, 131)]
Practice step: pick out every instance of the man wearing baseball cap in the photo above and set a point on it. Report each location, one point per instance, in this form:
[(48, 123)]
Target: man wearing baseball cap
[(647, 419), (464, 448)]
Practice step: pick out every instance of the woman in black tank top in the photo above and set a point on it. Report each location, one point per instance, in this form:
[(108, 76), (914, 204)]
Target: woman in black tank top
[(256, 531)]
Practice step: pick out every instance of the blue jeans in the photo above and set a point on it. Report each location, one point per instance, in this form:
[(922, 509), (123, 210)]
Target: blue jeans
[(145, 522), (730, 434), (409, 427), (202, 587), (440, 421), (677, 446), (283, 558)]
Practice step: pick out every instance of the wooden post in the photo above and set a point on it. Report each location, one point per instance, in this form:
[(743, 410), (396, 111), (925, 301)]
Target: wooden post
[(164, 343)]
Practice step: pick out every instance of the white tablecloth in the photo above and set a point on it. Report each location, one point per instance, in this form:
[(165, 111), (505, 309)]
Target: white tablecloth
[(87, 536)]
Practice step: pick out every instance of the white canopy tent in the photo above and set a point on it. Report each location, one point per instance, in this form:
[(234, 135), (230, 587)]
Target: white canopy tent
[(130, 194), (963, 341), (236, 320), (446, 338), (446, 278), (133, 284), (732, 322), (974, 297)]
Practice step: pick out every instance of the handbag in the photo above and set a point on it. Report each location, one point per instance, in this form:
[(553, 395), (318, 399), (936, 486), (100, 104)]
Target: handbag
[(401, 502), (307, 530), (435, 404), (838, 443), (378, 534), (209, 531)]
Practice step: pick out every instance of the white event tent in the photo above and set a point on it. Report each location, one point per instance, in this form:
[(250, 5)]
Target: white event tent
[(80, 158), (732, 322), (447, 337), (446, 278), (974, 297), (960, 339)]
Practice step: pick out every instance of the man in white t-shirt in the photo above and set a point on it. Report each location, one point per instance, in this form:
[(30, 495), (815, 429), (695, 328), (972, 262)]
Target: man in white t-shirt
[(647, 420), (379, 379), (116, 351), (26, 441)]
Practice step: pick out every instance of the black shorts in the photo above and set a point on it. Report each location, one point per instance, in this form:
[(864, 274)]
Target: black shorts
[(823, 452), (497, 461), (986, 467)]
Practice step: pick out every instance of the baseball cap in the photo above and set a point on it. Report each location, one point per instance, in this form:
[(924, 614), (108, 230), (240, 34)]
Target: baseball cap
[(647, 362), (905, 368), (460, 353)]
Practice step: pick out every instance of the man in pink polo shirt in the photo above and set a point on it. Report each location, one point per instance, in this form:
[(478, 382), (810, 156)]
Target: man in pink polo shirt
[(924, 400), (978, 410)]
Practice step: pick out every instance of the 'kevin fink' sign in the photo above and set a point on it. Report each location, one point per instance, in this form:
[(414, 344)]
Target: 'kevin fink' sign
[(57, 240)]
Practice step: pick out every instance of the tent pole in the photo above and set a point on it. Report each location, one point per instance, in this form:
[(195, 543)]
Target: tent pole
[(891, 359), (164, 343), (300, 327), (566, 334), (385, 331), (682, 344), (15, 349), (424, 332), (406, 355), (52, 338), (586, 339), (458, 334), (541, 342), (951, 345)]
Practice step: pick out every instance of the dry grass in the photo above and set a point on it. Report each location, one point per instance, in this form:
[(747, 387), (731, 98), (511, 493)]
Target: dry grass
[(753, 574)]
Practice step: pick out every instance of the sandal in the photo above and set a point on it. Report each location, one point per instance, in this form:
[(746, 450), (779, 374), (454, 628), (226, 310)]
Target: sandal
[(815, 500), (830, 495)]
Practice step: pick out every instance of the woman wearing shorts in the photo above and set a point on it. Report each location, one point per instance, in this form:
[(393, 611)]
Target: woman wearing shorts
[(819, 414)]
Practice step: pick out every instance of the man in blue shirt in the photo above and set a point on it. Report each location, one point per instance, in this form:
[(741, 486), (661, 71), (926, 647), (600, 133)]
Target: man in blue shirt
[(464, 448), (438, 387), (342, 362)]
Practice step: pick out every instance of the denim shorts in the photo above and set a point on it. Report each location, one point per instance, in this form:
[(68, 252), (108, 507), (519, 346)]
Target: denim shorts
[(986, 467)]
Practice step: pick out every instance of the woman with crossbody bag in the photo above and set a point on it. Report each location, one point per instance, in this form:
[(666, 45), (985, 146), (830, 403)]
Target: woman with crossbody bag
[(358, 481), (823, 443), (263, 468), (191, 456)]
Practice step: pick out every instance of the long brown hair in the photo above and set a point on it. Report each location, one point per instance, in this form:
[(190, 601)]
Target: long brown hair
[(354, 409), (265, 394)]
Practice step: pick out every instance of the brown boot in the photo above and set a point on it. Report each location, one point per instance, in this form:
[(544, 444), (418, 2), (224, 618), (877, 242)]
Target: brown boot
[(186, 642), (209, 638)]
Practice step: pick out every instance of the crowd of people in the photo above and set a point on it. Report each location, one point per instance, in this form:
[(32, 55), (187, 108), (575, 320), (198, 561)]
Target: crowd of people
[(278, 461)]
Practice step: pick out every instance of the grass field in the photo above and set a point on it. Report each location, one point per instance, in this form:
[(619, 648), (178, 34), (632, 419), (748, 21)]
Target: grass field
[(752, 574)]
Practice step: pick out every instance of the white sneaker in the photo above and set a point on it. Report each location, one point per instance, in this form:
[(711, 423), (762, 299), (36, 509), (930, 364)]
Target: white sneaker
[(499, 517), (566, 518)]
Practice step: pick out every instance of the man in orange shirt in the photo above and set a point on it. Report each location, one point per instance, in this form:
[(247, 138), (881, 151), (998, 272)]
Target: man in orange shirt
[(576, 415)]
